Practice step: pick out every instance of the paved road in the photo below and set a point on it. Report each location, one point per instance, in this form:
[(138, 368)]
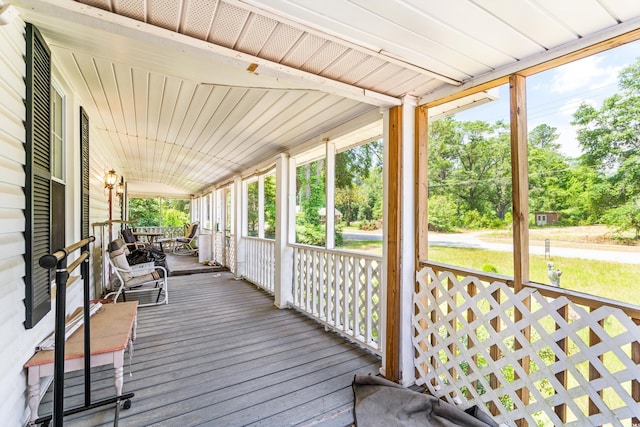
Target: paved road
[(472, 240)]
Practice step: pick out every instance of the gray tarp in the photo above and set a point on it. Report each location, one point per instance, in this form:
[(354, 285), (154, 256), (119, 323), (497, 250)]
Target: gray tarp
[(379, 402)]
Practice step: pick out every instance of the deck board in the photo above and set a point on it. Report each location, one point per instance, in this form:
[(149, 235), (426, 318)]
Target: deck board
[(220, 353)]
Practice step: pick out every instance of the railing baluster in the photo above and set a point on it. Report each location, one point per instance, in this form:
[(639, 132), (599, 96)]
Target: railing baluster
[(494, 353), (433, 338), (635, 383), (369, 303), (594, 339), (562, 376), (453, 324), (472, 290)]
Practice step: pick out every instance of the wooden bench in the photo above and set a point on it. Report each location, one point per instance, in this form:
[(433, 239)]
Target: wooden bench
[(113, 328)]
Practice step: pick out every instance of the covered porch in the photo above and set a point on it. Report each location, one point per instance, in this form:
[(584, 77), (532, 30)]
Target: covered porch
[(221, 354), (209, 100)]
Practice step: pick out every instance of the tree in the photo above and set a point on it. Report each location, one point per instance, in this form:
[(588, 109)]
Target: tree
[(610, 139), (469, 162), (144, 212), (252, 208), (548, 171), (349, 197), (354, 164), (270, 206), (625, 217)]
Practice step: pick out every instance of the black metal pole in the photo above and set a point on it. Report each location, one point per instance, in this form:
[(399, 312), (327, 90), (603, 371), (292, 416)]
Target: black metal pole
[(84, 270), (58, 374)]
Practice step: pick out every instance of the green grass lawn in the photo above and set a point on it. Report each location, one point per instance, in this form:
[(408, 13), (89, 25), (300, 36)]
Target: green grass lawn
[(617, 281)]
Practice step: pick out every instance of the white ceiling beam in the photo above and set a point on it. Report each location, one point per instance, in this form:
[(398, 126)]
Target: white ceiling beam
[(40, 11)]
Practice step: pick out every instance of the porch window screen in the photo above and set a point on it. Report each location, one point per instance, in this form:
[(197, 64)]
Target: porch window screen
[(38, 176)]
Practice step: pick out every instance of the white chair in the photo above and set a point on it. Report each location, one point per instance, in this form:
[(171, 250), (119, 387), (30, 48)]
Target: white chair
[(138, 278)]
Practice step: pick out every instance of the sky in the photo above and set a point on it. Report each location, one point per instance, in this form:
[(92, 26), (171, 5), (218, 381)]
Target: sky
[(553, 96)]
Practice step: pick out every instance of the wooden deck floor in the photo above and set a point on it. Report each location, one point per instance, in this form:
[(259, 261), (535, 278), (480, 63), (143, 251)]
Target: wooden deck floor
[(221, 354)]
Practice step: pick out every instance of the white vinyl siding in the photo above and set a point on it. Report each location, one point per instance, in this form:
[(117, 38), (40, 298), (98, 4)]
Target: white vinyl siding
[(16, 343)]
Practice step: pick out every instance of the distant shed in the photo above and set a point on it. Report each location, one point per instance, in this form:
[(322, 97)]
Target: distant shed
[(547, 218)]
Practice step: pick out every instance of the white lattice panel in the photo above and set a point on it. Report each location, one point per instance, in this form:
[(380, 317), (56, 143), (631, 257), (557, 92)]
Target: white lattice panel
[(230, 254), (466, 340), (218, 250), (340, 290)]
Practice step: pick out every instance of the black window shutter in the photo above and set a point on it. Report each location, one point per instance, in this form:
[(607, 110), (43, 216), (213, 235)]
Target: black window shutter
[(84, 173), (38, 176)]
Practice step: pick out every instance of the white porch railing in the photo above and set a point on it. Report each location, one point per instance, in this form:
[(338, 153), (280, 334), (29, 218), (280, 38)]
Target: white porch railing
[(167, 232), (260, 266), (544, 355), (340, 289)]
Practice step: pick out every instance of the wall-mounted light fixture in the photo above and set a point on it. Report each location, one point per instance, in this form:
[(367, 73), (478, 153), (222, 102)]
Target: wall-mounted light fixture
[(120, 189), (110, 179)]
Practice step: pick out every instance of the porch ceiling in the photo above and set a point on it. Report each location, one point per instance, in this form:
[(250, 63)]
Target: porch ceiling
[(188, 93)]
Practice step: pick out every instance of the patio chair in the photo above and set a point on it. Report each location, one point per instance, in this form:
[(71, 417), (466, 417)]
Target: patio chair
[(138, 278), (187, 245), (130, 239)]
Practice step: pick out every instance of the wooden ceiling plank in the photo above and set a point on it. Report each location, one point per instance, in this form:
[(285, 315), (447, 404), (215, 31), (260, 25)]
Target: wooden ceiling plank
[(92, 80), (583, 17), (269, 116), (292, 110), (168, 107), (195, 105), (210, 115), (154, 104), (186, 93), (237, 106)]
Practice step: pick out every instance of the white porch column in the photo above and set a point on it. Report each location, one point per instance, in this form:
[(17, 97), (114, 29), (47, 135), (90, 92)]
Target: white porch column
[(238, 207), (215, 224), (407, 235), (330, 193), (285, 228), (260, 206)]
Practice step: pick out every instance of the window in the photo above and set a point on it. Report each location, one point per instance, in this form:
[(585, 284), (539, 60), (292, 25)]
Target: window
[(470, 196), (57, 170), (311, 205), (206, 214), (57, 134), (253, 209)]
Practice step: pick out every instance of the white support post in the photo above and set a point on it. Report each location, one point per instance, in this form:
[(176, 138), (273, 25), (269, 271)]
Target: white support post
[(285, 229), (261, 206), (237, 206), (215, 219), (407, 233), (385, 236), (330, 193)]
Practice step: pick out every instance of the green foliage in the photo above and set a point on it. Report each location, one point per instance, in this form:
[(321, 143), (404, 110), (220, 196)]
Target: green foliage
[(442, 213), (155, 212), (349, 199), (489, 268), (174, 217), (270, 206), (624, 217), (609, 138), (252, 209), (144, 212)]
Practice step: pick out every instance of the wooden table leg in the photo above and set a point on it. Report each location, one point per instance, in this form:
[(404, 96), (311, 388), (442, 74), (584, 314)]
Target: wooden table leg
[(34, 391)]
